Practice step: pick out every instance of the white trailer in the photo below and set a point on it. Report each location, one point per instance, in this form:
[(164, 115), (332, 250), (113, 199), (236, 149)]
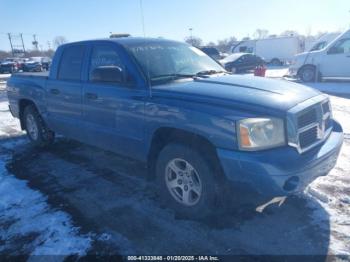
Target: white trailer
[(274, 50)]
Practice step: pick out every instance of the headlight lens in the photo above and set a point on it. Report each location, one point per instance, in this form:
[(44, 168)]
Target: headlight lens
[(260, 133)]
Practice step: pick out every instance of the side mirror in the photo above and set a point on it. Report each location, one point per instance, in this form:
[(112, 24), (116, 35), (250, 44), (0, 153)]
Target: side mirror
[(335, 50), (110, 74)]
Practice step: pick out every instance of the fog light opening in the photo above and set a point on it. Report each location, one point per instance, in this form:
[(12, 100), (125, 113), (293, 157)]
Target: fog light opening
[(291, 183)]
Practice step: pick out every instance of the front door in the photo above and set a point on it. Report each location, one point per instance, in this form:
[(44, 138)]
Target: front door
[(336, 63), (113, 109)]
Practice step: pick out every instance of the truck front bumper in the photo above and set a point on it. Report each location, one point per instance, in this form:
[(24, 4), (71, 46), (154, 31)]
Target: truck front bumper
[(282, 171)]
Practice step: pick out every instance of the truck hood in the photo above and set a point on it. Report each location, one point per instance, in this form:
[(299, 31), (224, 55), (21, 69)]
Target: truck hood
[(248, 91)]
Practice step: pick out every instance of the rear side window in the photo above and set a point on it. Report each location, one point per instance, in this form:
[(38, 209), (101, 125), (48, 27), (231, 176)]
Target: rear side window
[(71, 63)]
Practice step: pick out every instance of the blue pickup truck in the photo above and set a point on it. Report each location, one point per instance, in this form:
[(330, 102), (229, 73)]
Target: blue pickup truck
[(169, 105)]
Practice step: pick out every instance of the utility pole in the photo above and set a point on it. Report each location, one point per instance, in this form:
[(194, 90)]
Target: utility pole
[(24, 50), (35, 42), (49, 45), (191, 36), (9, 35)]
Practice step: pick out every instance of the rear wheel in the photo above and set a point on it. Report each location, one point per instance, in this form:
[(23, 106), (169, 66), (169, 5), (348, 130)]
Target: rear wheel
[(185, 180), (37, 131)]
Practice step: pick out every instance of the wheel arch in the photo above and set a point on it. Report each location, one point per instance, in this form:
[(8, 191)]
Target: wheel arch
[(306, 65), (318, 73), (166, 135)]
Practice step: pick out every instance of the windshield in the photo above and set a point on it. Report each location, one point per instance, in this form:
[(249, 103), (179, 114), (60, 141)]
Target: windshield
[(169, 59), (232, 57), (319, 46)]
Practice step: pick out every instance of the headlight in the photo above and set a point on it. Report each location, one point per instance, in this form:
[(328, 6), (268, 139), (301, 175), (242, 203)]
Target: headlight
[(260, 133)]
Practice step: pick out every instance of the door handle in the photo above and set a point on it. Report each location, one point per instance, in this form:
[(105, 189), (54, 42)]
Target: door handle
[(91, 96), (54, 91)]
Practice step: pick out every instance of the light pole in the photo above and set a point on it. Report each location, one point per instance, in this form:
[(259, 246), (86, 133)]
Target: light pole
[(191, 36)]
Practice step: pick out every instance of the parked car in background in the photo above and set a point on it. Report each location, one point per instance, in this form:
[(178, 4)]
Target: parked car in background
[(195, 127), (37, 64), (9, 65), (275, 50), (33, 64), (212, 52), (20, 63), (241, 62), (330, 62), (46, 62)]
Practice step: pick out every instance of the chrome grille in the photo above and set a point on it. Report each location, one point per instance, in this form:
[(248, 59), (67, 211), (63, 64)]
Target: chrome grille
[(308, 137), (309, 123), (307, 118)]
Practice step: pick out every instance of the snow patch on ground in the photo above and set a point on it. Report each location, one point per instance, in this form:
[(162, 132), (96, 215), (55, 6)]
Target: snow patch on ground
[(332, 88), (332, 191), (24, 213), (276, 71)]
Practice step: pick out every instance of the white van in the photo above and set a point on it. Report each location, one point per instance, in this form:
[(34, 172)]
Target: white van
[(332, 61), (274, 50), (322, 41)]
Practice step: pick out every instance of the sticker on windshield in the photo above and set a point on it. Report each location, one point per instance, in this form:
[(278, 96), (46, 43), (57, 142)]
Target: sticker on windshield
[(197, 51)]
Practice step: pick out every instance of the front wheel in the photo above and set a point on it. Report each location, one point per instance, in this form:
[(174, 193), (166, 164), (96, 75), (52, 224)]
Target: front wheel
[(185, 180), (307, 74), (37, 131)]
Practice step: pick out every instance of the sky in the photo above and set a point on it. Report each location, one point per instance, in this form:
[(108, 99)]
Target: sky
[(211, 20)]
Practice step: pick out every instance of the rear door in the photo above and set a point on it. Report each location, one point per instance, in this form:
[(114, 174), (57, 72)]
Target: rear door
[(113, 111), (64, 101)]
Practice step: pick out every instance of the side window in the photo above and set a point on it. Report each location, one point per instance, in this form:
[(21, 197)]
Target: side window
[(71, 63), (243, 59), (242, 49), (250, 50), (106, 65), (341, 47)]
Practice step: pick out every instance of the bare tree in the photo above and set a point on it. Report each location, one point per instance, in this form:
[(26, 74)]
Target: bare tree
[(261, 33), (211, 43), (224, 45), (289, 33), (4, 54), (59, 40), (194, 40)]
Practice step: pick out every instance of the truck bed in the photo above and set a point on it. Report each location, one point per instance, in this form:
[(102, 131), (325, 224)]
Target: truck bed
[(33, 74)]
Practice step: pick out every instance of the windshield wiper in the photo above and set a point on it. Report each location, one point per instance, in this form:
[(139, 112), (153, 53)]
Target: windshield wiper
[(209, 72), (173, 76)]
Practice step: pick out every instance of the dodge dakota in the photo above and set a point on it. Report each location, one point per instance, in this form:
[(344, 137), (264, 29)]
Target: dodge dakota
[(169, 105)]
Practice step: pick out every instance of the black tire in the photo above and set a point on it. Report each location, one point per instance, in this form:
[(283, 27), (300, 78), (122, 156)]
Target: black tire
[(44, 137), (307, 74), (204, 204), (275, 62)]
